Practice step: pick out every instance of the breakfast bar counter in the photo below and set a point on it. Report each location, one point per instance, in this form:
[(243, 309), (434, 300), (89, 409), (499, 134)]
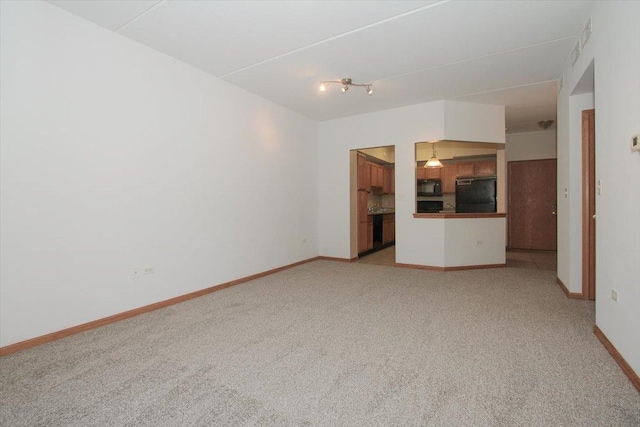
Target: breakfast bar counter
[(453, 215)]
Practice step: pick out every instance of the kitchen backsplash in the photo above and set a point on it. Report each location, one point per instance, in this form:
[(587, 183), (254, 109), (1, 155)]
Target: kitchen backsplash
[(384, 201)]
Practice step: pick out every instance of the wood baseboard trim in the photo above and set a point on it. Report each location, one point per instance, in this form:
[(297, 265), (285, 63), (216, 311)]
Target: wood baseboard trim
[(474, 267), (419, 267), (43, 339), (455, 268), (633, 377), (571, 295), (330, 258)]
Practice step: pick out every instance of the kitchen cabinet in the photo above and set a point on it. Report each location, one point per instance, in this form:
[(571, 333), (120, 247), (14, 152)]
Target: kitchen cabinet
[(363, 221), (449, 173), (428, 173), (377, 176), (393, 181), (363, 173), (432, 173), (363, 236), (387, 174), (363, 199), (465, 168), (485, 167), (388, 228)]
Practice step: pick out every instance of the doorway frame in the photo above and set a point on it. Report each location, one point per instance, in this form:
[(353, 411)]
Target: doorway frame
[(588, 205)]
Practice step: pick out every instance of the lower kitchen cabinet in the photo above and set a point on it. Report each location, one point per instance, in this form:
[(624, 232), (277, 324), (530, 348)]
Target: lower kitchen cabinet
[(363, 236), (388, 228)]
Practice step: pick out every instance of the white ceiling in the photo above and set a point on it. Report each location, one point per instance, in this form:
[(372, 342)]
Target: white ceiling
[(497, 52)]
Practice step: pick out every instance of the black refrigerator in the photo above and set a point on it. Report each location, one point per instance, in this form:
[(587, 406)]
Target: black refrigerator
[(476, 195)]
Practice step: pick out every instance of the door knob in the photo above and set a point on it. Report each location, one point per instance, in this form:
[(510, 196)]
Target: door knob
[(594, 217)]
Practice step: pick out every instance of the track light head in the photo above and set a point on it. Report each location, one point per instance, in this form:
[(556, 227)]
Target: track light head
[(323, 87), (369, 90)]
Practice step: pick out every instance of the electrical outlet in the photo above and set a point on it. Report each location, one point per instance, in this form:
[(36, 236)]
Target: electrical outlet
[(635, 142), (566, 192), (614, 295), (148, 270), (137, 272)]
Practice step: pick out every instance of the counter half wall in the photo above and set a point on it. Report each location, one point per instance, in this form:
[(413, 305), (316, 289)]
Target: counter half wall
[(467, 241)]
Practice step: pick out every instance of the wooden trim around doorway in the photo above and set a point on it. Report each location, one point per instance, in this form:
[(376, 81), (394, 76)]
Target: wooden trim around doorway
[(626, 368), (588, 204)]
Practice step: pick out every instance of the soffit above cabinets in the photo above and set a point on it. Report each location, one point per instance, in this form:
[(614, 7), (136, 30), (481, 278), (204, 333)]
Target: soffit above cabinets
[(497, 52)]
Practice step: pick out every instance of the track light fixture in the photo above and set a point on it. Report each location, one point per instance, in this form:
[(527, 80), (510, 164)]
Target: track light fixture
[(346, 83)]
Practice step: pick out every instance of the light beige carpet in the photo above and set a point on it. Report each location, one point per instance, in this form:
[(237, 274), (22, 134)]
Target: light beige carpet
[(335, 344)]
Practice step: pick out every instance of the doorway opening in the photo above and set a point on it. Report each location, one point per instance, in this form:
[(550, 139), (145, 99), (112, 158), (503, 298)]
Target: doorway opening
[(373, 202), (583, 97)]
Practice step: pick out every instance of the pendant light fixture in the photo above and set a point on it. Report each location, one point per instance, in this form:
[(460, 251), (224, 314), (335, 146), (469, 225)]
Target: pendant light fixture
[(433, 161), (346, 84)]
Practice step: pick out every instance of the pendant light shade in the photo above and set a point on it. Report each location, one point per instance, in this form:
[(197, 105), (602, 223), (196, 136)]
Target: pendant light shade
[(433, 161)]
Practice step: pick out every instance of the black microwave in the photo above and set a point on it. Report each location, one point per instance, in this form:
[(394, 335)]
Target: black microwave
[(429, 187)]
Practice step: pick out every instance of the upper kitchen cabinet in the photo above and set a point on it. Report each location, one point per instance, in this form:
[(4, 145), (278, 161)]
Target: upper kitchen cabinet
[(449, 173), (485, 167), (428, 173), (465, 168), (363, 173), (387, 187), (377, 176)]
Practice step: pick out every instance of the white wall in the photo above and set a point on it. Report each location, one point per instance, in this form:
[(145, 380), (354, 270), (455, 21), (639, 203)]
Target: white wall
[(531, 145), (481, 240), (418, 241), (615, 47), (114, 156), (401, 127), (465, 121)]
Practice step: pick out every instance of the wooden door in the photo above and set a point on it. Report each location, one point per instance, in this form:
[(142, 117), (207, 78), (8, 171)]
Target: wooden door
[(589, 204), (532, 201)]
